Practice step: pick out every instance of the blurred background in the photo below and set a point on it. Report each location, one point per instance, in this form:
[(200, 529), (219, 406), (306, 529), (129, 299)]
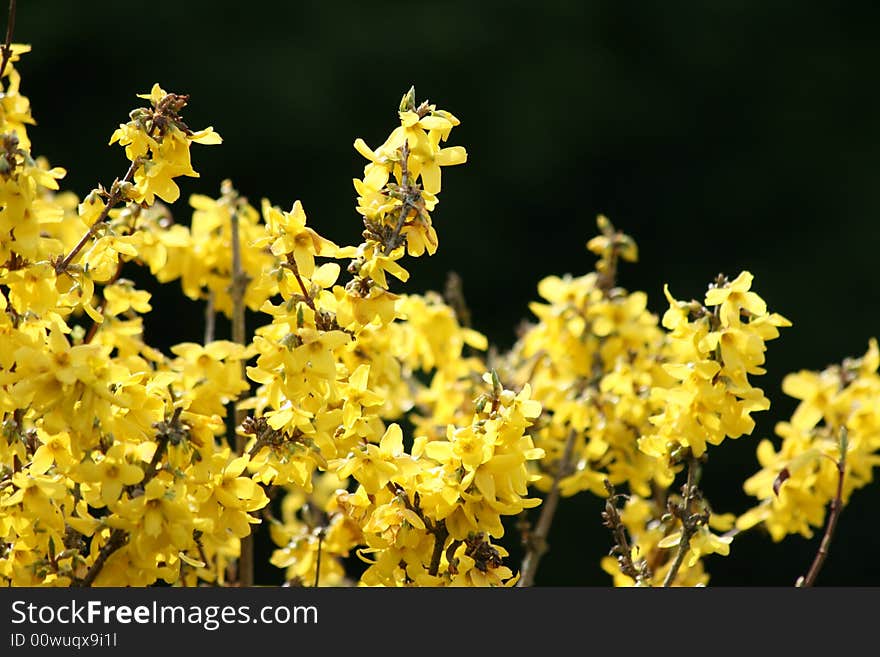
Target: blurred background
[(722, 136)]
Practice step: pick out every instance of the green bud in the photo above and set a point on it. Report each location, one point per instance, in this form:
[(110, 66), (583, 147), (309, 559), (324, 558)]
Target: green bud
[(408, 102), (497, 388)]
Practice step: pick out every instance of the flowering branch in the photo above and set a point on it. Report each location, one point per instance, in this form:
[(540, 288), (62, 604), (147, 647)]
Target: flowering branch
[(93, 329), (622, 550), (117, 194), (833, 516), (307, 297), (537, 539), (689, 521), (166, 430), (150, 123), (410, 195), (116, 541), (439, 530)]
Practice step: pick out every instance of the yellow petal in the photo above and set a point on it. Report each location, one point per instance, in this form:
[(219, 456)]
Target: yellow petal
[(207, 137), (392, 441), (451, 156), (670, 541)]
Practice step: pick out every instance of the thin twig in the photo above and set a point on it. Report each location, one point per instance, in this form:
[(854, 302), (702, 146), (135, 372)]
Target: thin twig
[(398, 491), (622, 550), (116, 541), (292, 266), (537, 541), (7, 45), (732, 533), (453, 294), (165, 113), (162, 444), (197, 538), (245, 568), (116, 195), (833, 516), (210, 318), (318, 560), (93, 329), (440, 536), (688, 522), (394, 240)]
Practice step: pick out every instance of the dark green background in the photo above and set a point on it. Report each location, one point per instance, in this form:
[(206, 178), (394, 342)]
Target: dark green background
[(722, 135)]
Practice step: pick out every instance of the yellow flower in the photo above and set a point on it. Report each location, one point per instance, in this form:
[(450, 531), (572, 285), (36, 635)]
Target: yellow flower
[(358, 396), (157, 142), (55, 449), (121, 296), (288, 234), (373, 466), (110, 473), (734, 298)]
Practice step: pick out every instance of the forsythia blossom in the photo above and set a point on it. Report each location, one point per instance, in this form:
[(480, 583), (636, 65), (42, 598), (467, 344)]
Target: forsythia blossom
[(372, 426), (713, 349), (836, 424)]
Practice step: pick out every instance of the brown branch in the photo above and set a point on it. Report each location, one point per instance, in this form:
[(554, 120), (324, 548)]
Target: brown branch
[(453, 294), (164, 437), (93, 329), (292, 266), (117, 540), (689, 522), (210, 318), (318, 560), (833, 517), (398, 491), (239, 283), (197, 538), (7, 45), (536, 541), (116, 195), (394, 240), (440, 536), (160, 119), (537, 544), (622, 550), (237, 288), (450, 556)]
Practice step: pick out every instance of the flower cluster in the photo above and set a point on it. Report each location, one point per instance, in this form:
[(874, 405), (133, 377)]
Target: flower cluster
[(592, 358), (427, 518), (372, 431), (110, 471), (829, 447), (626, 403), (338, 363), (712, 350)]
